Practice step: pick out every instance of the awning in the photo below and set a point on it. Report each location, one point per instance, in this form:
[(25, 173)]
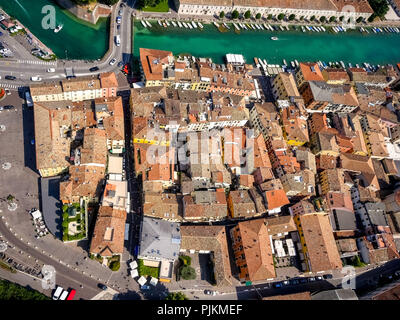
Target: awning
[(153, 281), (134, 273), (133, 265), (36, 214), (142, 280)]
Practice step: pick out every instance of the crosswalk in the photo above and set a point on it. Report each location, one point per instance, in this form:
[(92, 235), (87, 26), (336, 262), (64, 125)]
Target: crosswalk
[(50, 63), (9, 86)]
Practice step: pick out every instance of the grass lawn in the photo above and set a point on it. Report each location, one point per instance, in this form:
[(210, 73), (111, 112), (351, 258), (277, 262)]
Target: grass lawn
[(161, 7), (147, 271)]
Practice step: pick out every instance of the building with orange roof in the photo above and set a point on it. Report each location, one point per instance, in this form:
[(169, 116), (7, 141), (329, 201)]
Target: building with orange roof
[(252, 250), (109, 84), (284, 87), (335, 76), (109, 232), (275, 200), (308, 71), (318, 243), (155, 64), (295, 128)]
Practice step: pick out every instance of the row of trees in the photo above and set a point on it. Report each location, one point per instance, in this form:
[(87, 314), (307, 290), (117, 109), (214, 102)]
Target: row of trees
[(85, 2), (235, 15)]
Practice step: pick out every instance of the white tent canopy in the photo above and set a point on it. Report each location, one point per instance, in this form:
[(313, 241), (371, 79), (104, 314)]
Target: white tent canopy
[(36, 214), (142, 280), (153, 281), (134, 273), (133, 265)]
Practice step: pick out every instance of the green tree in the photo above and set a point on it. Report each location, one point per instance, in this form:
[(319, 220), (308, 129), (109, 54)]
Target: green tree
[(247, 14), (322, 19), (341, 18), (380, 7), (359, 19), (332, 19), (222, 14), (312, 18), (188, 273), (176, 296), (292, 17), (269, 17), (281, 16), (258, 16), (235, 14), (115, 265), (301, 18)]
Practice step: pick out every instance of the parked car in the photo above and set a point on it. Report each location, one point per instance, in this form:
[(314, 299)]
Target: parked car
[(71, 294), (120, 64), (93, 69), (8, 92), (36, 78), (51, 70), (10, 78), (294, 281), (327, 276), (286, 282), (118, 27), (112, 62), (64, 295), (8, 107), (119, 19), (397, 274), (210, 292), (102, 286), (277, 285), (311, 279), (120, 12), (303, 280), (319, 278), (145, 287)]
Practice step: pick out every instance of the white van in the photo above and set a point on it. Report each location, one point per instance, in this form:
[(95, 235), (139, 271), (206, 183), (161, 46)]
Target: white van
[(118, 40), (51, 70), (57, 293), (64, 295)]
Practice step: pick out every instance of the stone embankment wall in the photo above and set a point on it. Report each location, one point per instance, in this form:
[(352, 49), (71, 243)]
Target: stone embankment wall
[(99, 11)]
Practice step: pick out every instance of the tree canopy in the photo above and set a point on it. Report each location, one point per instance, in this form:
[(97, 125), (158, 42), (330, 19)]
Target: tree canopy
[(247, 14), (222, 14), (176, 296), (235, 14), (380, 7), (281, 16)]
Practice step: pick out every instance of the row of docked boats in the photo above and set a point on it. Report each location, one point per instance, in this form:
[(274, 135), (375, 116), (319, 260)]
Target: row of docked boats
[(385, 30), (252, 26), (313, 29), (176, 24)]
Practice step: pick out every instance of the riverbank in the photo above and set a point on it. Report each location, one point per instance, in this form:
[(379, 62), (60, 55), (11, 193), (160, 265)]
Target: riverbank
[(350, 47), (86, 13)]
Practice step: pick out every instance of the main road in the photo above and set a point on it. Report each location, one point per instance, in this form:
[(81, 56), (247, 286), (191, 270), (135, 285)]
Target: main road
[(23, 70)]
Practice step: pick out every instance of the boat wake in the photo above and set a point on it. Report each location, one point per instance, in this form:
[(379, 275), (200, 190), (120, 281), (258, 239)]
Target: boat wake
[(23, 9)]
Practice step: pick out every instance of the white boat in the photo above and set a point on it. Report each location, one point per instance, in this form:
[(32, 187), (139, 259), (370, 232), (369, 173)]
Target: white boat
[(216, 24), (194, 24), (261, 26), (159, 22), (200, 25), (143, 24), (164, 25), (236, 26), (274, 38), (174, 24), (265, 26), (265, 62), (293, 65), (149, 24), (323, 29), (342, 64), (180, 24), (252, 26), (296, 62), (302, 29), (189, 25), (58, 28), (168, 25), (280, 27), (226, 26), (284, 62), (185, 25)]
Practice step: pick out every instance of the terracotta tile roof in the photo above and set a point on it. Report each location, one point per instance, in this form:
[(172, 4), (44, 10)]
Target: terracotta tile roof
[(289, 84), (358, 5), (311, 71), (257, 250), (109, 231), (205, 205), (210, 238), (334, 74), (162, 205), (280, 224), (293, 296), (271, 185), (81, 84), (113, 119), (242, 204), (246, 180), (276, 198), (321, 246), (94, 149), (336, 200), (152, 61), (52, 144), (261, 158), (108, 80), (326, 162)]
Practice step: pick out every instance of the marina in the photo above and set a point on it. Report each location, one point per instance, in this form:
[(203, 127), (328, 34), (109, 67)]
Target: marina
[(301, 43)]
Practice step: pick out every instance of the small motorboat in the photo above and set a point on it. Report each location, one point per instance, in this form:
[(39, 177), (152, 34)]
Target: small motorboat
[(274, 38), (58, 28)]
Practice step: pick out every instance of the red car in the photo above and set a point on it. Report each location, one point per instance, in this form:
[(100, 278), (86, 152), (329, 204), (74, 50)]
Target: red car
[(71, 294)]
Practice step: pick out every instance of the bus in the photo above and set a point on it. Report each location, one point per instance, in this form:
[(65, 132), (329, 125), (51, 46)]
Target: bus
[(28, 99), (64, 295)]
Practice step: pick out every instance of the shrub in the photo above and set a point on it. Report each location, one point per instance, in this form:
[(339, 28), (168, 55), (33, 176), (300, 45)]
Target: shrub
[(312, 18), (281, 16), (115, 265), (247, 14), (269, 17), (186, 260), (292, 16), (332, 19), (188, 273), (301, 18), (341, 18), (322, 19), (258, 16), (176, 296), (359, 19), (222, 14), (235, 14)]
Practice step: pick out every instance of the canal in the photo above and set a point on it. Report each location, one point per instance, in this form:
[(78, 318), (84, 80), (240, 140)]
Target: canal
[(351, 46), (77, 40)]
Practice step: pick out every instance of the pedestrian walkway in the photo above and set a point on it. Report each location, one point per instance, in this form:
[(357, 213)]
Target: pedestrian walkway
[(47, 63), (9, 86)]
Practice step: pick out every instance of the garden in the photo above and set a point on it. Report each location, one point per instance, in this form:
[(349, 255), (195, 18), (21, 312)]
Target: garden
[(185, 271), (147, 271), (73, 222), (114, 263), (153, 5)]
